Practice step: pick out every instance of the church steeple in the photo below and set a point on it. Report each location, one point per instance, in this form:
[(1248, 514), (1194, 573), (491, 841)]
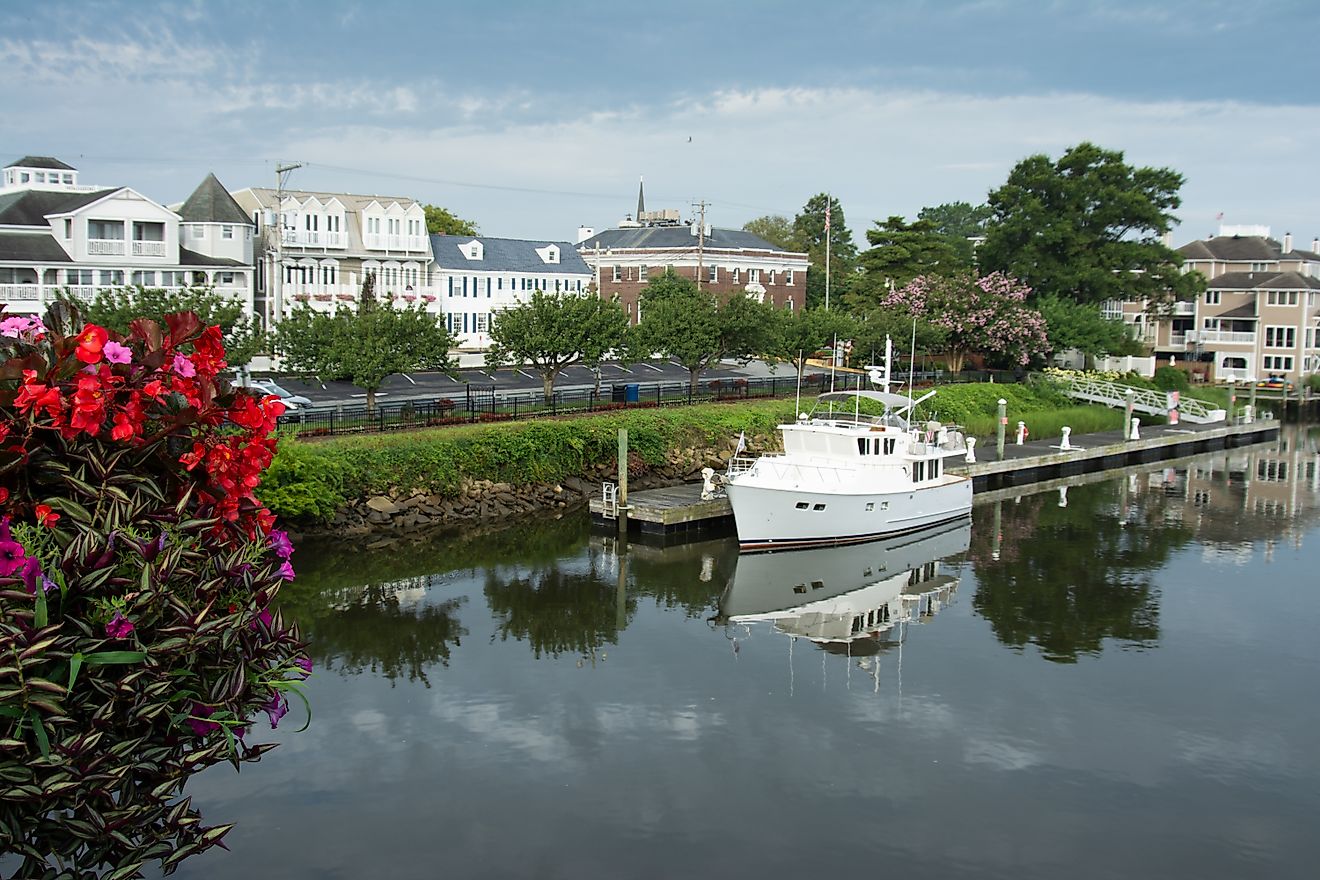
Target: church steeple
[(641, 200)]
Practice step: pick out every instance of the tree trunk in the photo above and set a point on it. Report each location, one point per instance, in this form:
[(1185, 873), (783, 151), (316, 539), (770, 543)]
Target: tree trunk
[(955, 358), (548, 386), (371, 402), (692, 382)]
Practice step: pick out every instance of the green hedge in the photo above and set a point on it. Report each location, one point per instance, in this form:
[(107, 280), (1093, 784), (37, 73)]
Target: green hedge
[(310, 481)]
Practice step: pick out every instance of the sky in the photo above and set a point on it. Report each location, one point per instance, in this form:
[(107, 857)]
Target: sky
[(534, 118)]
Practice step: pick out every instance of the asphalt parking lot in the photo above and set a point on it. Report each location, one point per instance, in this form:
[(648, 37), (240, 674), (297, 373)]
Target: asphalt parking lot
[(514, 382)]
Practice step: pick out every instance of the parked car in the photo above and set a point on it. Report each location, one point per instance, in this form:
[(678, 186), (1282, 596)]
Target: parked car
[(290, 400)]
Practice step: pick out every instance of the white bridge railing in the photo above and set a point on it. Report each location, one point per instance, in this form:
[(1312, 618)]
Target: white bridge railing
[(1145, 400)]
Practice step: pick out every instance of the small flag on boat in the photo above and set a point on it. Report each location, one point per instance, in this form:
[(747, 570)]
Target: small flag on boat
[(742, 442)]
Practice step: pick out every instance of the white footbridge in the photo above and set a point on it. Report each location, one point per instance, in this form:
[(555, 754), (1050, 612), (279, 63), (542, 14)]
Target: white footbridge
[(1144, 400)]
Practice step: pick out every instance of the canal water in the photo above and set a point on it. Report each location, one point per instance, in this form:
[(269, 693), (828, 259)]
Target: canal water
[(1119, 679)]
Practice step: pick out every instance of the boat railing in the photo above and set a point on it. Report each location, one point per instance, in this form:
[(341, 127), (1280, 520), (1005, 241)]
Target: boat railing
[(742, 463)]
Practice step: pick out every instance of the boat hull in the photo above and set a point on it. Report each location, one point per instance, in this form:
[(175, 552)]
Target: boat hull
[(775, 518)]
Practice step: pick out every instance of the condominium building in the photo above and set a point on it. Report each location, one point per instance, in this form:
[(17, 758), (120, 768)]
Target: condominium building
[(57, 234), (318, 247), (477, 277)]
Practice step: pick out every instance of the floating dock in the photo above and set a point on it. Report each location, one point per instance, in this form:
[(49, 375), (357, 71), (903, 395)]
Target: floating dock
[(679, 513)]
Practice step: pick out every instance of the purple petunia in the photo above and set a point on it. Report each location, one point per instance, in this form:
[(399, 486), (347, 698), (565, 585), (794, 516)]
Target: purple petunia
[(116, 353), (33, 575), (184, 367), (305, 664), (12, 554), (276, 709), (119, 627), (199, 713), (280, 543), (286, 571)]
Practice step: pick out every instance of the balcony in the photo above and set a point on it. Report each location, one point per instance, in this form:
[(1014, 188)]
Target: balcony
[(313, 238), (105, 247), (20, 292), (1184, 309), (378, 241), (143, 248), (1180, 340), (1225, 337)]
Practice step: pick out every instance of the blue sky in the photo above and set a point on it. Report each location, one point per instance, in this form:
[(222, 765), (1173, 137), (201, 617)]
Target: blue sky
[(534, 117)]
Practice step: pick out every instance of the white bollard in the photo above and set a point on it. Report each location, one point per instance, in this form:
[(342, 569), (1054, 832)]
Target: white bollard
[(1021, 432), (1136, 434), (1248, 414), (1064, 444), (971, 450)]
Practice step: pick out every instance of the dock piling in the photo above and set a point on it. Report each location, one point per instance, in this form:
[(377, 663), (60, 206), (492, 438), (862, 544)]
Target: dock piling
[(1003, 427), (623, 481)]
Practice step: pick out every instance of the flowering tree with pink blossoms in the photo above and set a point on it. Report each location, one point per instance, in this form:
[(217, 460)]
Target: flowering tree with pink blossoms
[(985, 313)]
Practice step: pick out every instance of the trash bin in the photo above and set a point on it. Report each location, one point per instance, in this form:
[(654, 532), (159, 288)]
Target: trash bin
[(632, 393), (618, 393)]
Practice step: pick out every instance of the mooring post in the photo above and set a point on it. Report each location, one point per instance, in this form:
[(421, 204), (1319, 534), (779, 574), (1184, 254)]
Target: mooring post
[(1128, 408), (1003, 427), (623, 481), (1136, 429), (1251, 399), (1064, 444), (1021, 432), (971, 450)]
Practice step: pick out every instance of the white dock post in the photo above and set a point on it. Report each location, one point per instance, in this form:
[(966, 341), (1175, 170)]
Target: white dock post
[(1064, 444), (1136, 425), (1063, 496), (1248, 414), (1128, 408), (970, 457), (1021, 432)]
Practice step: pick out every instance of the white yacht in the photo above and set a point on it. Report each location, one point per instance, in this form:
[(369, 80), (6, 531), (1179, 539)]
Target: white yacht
[(847, 476)]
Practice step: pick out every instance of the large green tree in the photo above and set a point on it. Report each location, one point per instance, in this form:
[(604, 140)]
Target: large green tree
[(809, 233), (800, 333), (116, 308), (1071, 324), (696, 329), (442, 221), (774, 228), (899, 252), (959, 223), (1088, 228), (555, 331), (366, 345)]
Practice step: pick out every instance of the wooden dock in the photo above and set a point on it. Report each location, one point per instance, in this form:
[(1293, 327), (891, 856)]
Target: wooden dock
[(678, 513)]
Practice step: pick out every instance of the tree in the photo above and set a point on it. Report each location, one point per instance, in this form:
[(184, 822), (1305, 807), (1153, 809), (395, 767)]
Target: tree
[(901, 251), (696, 329), (117, 308), (878, 323), (801, 333), (440, 221), (555, 331), (958, 223), (979, 313), (809, 233), (366, 345), (1071, 324), (1088, 228), (774, 228)]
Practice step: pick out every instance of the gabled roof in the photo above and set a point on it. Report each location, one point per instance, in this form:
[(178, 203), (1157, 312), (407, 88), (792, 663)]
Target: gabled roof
[(506, 255), (28, 247), (1232, 248), (40, 162), (267, 198), (30, 207), (192, 258), (212, 203), (674, 238), (1241, 281)]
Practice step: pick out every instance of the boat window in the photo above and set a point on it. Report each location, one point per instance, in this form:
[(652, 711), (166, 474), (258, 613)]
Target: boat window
[(863, 445), (818, 507), (870, 505), (934, 468), (800, 588), (801, 505), (889, 445), (918, 471), (818, 585)]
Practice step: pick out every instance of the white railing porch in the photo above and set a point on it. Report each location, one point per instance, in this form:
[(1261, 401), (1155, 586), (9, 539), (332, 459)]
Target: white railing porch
[(148, 248), (1225, 337), (105, 247)]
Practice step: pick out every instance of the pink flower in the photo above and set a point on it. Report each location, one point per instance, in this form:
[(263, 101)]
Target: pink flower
[(117, 354), (184, 367), (119, 627)]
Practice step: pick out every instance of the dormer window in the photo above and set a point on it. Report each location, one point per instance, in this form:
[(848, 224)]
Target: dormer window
[(473, 250), (548, 254)]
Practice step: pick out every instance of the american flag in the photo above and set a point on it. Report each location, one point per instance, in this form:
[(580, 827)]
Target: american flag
[(827, 216)]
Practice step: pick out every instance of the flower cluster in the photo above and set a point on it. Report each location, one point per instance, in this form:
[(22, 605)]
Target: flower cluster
[(138, 573)]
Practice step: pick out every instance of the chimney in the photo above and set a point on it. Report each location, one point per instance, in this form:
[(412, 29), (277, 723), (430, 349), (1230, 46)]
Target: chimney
[(1287, 242), (584, 233), (1167, 239), (1315, 245)]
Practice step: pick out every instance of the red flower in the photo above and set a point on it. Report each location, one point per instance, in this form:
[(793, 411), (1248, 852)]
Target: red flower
[(91, 341), (46, 516)]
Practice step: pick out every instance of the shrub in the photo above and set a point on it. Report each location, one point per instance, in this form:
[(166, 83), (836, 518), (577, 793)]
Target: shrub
[(1171, 379), (137, 571)]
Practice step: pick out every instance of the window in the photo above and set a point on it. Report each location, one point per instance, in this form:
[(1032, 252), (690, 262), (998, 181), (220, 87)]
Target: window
[(772, 276), (227, 232), (1212, 297), (198, 230), (144, 279), (483, 322), (918, 471), (733, 275), (68, 180), (148, 231), (788, 277), (78, 277), (1260, 267), (173, 279), (890, 443), (818, 507), (618, 274), (801, 505), (1280, 337), (224, 278), (111, 277), (753, 276), (105, 230), (714, 274), (1281, 298), (641, 273), (870, 505), (1281, 363)]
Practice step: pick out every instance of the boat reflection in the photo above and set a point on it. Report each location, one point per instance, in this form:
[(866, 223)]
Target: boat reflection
[(848, 600)]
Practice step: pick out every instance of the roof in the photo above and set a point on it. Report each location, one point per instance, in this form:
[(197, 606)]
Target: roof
[(267, 197), (506, 255), (1247, 310), (192, 258), (1263, 281), (28, 247), (40, 162), (676, 237), (1231, 248), (212, 203), (30, 207)]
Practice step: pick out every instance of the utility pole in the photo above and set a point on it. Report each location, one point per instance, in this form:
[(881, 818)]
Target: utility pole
[(275, 302), (701, 242)]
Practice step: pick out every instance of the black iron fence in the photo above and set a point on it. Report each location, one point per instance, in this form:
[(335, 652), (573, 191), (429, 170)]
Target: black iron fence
[(484, 403)]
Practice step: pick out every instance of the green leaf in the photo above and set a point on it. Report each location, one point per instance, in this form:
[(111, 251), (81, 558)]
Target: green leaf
[(43, 742), (75, 664), (103, 658), (39, 615)]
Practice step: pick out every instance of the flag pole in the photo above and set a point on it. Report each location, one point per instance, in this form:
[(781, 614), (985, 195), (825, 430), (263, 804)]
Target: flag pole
[(828, 199)]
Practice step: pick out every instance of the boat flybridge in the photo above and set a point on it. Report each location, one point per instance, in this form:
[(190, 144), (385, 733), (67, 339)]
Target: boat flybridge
[(849, 474)]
